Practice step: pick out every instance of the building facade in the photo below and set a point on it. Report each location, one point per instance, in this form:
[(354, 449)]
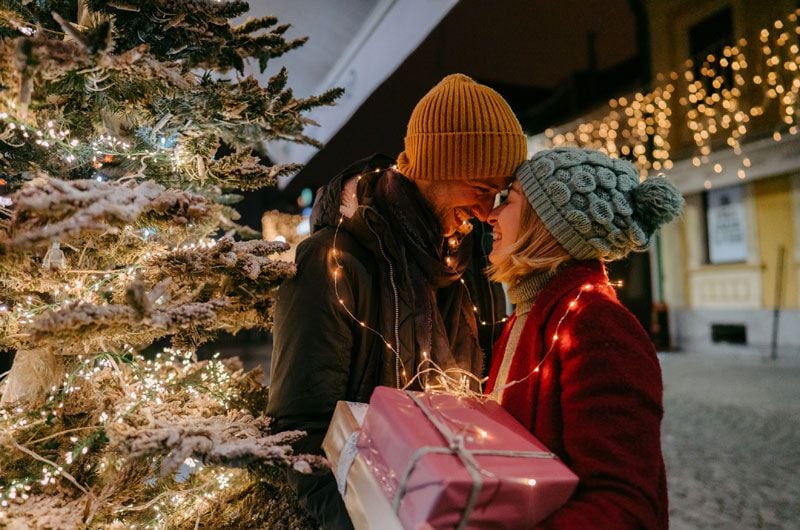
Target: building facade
[(719, 118), (730, 268)]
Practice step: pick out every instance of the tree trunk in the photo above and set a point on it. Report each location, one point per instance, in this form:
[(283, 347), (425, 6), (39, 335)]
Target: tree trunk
[(32, 375)]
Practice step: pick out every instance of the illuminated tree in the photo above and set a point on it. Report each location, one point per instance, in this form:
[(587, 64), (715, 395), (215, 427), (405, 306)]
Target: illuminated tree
[(126, 129)]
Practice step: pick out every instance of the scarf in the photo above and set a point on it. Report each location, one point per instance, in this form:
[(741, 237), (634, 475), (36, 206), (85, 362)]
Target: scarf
[(444, 322)]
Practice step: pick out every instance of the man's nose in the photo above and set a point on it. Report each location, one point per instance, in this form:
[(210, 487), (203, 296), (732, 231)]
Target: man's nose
[(482, 209)]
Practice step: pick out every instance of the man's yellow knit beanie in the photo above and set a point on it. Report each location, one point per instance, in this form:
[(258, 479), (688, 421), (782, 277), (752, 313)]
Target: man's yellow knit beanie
[(462, 130)]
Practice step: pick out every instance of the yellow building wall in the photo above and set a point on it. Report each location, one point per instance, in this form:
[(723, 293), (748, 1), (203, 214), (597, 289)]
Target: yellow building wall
[(773, 197)]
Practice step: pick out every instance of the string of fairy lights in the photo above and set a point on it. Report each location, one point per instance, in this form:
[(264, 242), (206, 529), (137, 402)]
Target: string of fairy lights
[(401, 376), (572, 306), (147, 381), (15, 133), (400, 370), (100, 150), (450, 380), (711, 103)]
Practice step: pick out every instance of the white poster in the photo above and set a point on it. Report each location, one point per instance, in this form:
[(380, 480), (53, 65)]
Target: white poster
[(727, 230)]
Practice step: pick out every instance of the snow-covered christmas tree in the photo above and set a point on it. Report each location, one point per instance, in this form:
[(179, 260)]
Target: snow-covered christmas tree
[(126, 129)]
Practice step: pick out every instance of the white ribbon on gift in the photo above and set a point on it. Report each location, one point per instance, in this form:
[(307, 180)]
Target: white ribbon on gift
[(456, 446), (346, 457)]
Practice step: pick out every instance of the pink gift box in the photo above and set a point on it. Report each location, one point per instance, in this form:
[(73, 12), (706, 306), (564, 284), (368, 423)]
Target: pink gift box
[(449, 462)]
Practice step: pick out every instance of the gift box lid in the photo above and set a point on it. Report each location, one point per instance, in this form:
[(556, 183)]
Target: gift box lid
[(520, 481)]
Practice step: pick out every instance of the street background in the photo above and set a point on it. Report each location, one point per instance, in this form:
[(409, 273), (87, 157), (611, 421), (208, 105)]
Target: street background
[(731, 440)]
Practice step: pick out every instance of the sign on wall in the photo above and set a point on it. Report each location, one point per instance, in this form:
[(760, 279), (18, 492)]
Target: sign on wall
[(727, 228)]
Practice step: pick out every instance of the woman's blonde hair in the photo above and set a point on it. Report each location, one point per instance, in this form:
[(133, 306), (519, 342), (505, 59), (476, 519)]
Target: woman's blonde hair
[(534, 250)]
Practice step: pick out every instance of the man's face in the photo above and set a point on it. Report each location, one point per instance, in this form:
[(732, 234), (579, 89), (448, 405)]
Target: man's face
[(457, 201)]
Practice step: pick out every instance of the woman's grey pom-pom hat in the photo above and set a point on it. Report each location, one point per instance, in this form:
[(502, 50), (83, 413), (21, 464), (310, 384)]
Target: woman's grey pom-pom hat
[(595, 205)]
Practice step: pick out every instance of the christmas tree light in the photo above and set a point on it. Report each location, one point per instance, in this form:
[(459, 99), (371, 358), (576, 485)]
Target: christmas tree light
[(124, 130)]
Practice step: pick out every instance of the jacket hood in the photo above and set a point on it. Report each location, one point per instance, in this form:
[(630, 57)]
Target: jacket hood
[(325, 211)]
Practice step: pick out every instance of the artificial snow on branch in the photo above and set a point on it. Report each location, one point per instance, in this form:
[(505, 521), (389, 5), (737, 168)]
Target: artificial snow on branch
[(236, 440), (126, 129)]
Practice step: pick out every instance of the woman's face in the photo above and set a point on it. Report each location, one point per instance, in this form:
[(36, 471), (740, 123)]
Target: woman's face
[(505, 220)]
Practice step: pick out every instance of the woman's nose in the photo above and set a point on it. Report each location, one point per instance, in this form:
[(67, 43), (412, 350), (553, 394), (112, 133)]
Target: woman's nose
[(492, 217)]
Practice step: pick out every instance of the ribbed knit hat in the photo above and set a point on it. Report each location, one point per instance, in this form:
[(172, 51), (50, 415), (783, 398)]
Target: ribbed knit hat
[(462, 130), (594, 205)]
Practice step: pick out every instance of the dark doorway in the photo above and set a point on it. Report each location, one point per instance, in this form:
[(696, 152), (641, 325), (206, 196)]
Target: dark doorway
[(636, 292)]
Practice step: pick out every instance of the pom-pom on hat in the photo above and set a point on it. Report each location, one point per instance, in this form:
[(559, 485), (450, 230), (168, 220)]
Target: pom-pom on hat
[(595, 206), (461, 130)]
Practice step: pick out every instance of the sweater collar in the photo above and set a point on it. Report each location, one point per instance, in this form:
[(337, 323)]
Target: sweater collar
[(523, 293)]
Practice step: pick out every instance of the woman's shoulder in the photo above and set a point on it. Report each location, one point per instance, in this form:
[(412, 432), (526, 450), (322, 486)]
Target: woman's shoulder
[(601, 331), (600, 310)]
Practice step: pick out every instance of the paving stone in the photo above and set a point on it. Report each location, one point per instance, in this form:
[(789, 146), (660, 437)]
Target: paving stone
[(732, 464)]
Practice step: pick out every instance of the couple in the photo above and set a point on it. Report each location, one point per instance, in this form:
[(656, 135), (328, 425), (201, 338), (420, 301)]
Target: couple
[(377, 289)]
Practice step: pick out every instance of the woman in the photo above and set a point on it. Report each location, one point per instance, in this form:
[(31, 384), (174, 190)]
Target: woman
[(573, 365)]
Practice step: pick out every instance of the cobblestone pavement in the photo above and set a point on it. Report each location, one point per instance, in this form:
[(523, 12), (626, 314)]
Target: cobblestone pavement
[(731, 438)]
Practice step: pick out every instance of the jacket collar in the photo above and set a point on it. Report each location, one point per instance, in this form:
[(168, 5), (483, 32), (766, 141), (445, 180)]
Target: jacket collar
[(571, 278)]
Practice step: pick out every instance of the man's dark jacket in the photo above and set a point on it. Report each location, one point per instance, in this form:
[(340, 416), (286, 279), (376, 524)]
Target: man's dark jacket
[(390, 286)]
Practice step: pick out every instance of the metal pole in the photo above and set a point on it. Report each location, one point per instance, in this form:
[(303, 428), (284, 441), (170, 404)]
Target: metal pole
[(778, 298)]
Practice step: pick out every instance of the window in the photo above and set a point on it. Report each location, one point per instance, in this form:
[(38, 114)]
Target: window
[(710, 36), (726, 225)]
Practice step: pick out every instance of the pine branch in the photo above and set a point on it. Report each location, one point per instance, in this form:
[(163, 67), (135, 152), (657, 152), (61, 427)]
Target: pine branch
[(49, 209), (120, 140), (235, 440)]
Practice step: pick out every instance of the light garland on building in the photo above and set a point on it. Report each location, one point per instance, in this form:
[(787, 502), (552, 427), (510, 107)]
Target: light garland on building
[(716, 100)]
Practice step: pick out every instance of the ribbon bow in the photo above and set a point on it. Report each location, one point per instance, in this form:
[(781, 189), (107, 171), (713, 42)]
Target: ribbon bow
[(456, 445)]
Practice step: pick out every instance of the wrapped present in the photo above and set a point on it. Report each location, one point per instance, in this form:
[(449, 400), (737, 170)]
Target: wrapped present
[(449, 462), (363, 497)]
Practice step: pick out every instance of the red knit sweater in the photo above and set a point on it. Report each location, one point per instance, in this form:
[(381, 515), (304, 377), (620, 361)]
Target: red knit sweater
[(596, 401)]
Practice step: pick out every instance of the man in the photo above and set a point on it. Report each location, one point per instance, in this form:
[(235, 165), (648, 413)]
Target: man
[(377, 286)]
